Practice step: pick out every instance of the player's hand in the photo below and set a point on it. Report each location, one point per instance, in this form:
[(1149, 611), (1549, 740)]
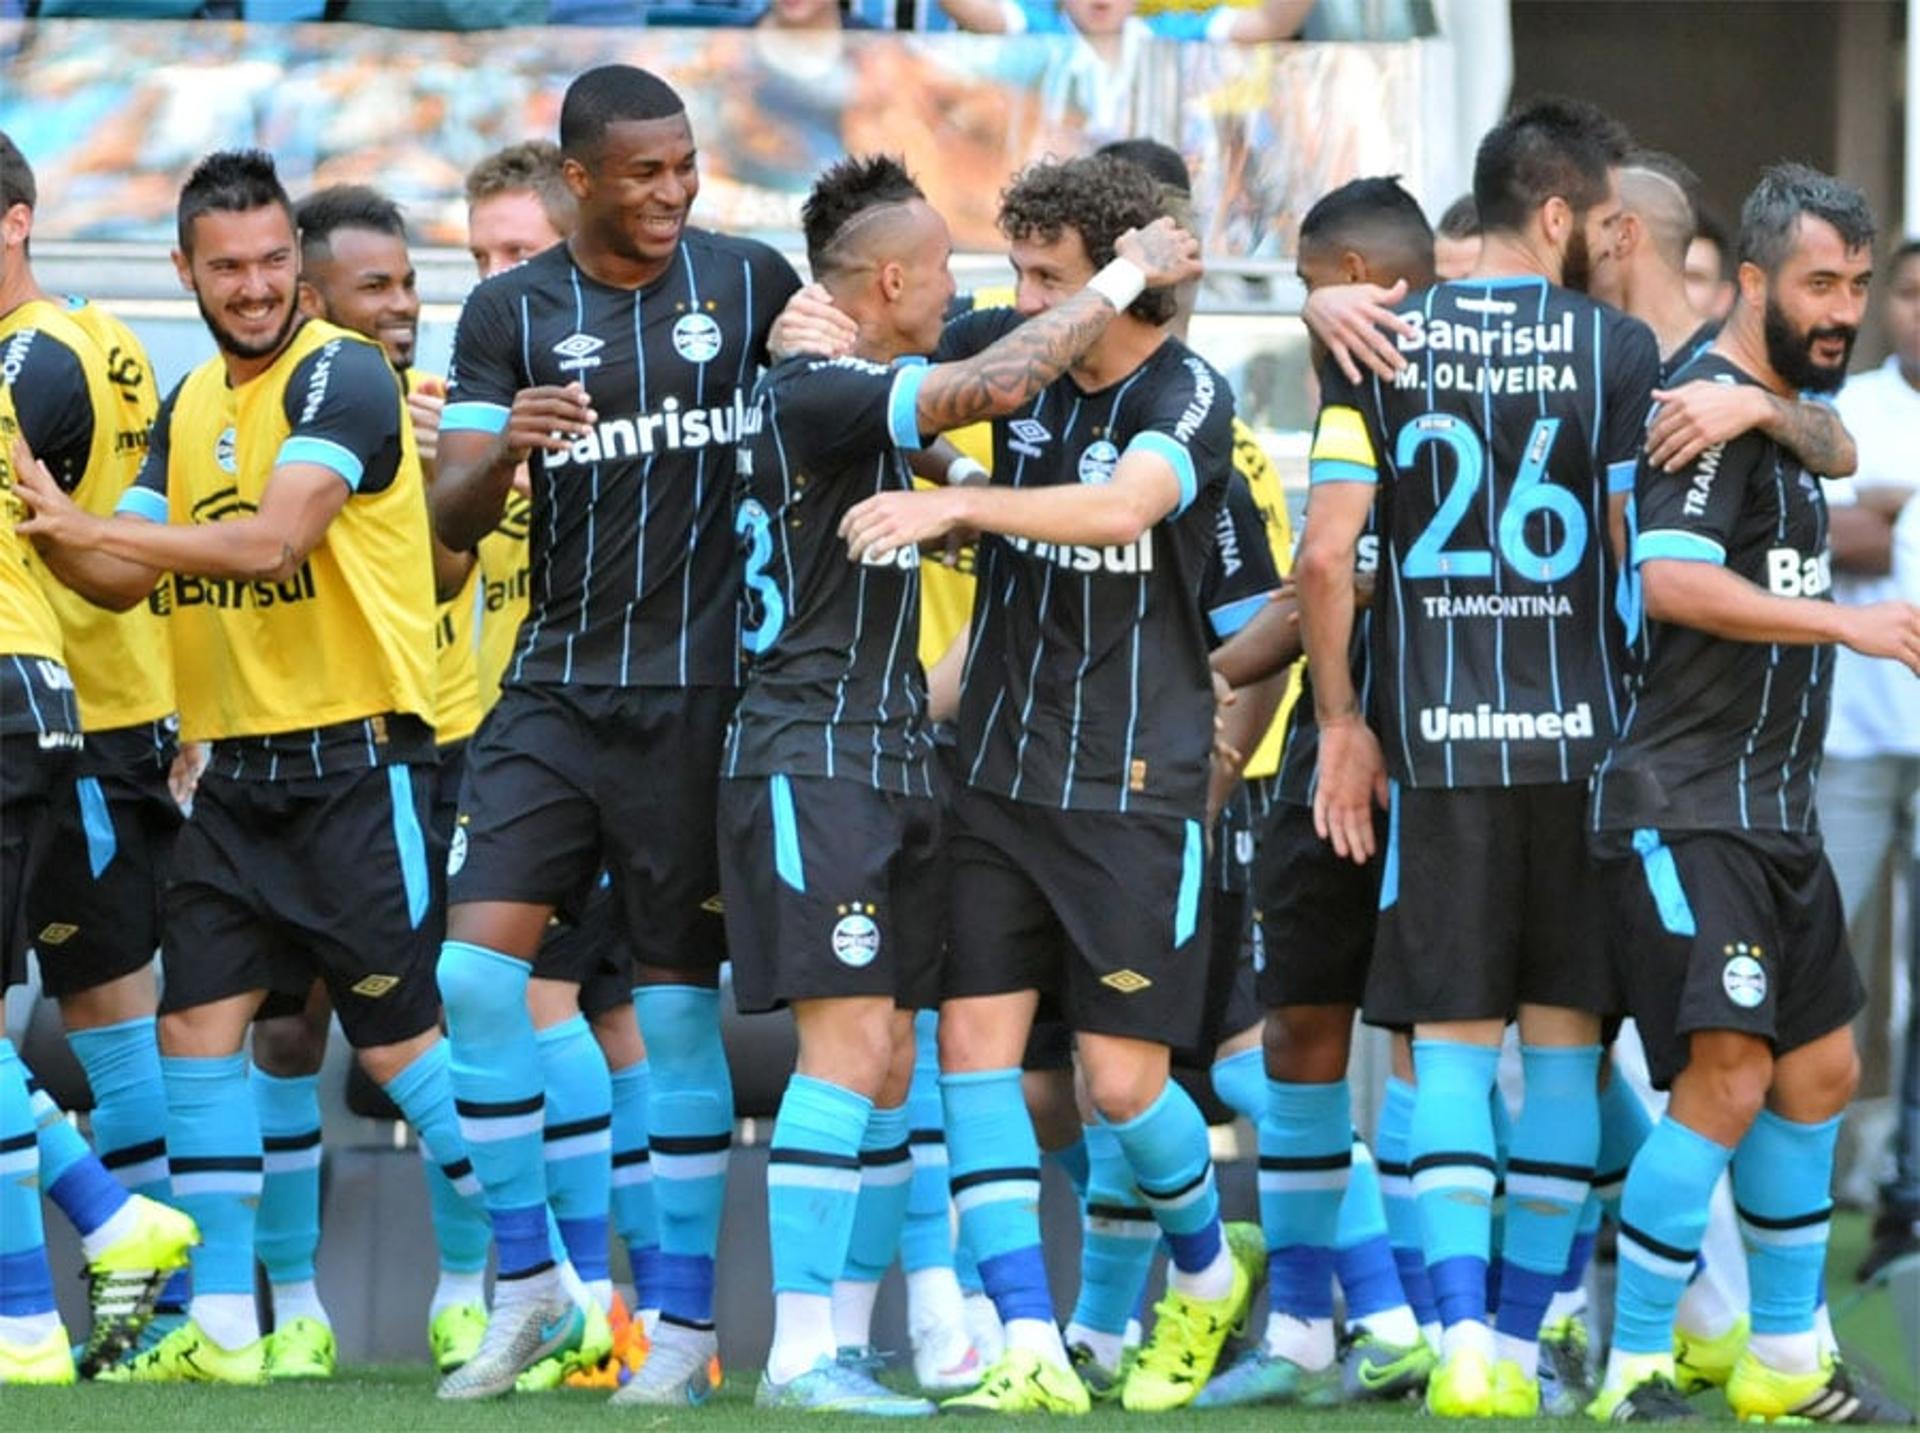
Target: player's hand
[(1885, 629), (52, 516), (423, 406), (1356, 325), (879, 526), (1225, 753), (1692, 418), (183, 777), (1167, 253), (811, 324), (1353, 779), (548, 418)]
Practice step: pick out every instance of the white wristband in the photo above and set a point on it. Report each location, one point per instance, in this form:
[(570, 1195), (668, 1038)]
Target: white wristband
[(1119, 283), (963, 470)]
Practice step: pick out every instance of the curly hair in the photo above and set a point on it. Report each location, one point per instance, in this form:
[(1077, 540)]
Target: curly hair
[(1098, 197)]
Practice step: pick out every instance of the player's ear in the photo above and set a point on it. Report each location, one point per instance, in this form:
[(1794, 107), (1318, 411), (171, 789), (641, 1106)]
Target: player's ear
[(1353, 268), (16, 224), (893, 280), (1751, 280), (579, 180), (183, 266), (307, 298), (1556, 220)]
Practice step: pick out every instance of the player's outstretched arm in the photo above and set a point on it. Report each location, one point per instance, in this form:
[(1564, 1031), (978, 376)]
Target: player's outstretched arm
[(476, 466), (1697, 416), (1267, 645), (1356, 324), (1706, 596), (1352, 774), (1002, 377), (60, 528)]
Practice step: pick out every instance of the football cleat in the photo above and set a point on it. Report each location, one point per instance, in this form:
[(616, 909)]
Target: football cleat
[(1188, 1333), (301, 1350), (1261, 1377), (454, 1335), (843, 1386), (678, 1372), (187, 1355), (124, 1281), (519, 1336), (1372, 1368), (50, 1361), (1461, 1386), (1023, 1382)]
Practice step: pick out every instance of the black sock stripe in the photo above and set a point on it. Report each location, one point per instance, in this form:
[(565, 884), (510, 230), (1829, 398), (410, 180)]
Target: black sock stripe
[(1611, 1176), (1582, 1173), (134, 1154), (1655, 1246), (19, 1141), (524, 1273), (217, 1163), (1125, 1213), (623, 1158), (992, 1176), (1342, 1160), (1459, 1159), (692, 1143), (567, 1129), (1395, 1170), (1166, 1195), (697, 1325), (897, 1154), (500, 1109), (279, 1143), (927, 1136), (458, 1170), (1792, 1221), (812, 1158)]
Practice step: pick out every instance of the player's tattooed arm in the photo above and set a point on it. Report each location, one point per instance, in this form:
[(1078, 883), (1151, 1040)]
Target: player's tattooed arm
[(1000, 378), (1697, 416)]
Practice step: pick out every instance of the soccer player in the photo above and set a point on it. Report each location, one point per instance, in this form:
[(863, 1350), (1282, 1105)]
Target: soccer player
[(281, 488), (605, 746), (1456, 239), (1318, 915), (1085, 730), (92, 907), (518, 205), (1730, 937), (1709, 286), (1497, 662)]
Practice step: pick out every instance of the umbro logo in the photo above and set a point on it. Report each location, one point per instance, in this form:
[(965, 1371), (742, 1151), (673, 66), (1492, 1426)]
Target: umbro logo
[(1027, 435), (374, 986), (1127, 982), (59, 933), (578, 351)]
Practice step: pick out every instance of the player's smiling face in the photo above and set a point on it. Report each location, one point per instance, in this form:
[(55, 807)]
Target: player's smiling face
[(1813, 305), (1048, 272), (367, 284), (244, 272), (636, 195)]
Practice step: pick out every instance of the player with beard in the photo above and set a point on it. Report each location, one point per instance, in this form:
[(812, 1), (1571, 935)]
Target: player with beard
[(282, 489), (1728, 929), (1497, 658)]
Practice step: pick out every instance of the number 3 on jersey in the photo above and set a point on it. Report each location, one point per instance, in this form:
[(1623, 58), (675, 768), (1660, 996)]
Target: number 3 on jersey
[(752, 524), (1532, 493)]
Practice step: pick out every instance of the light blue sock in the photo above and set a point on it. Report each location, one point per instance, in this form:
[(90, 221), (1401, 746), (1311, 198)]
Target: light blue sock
[(886, 1180), (213, 1144), (1451, 1154), (926, 1242), (1119, 1240), (286, 1231), (633, 1212), (1396, 1193), (129, 1102), (966, 1268), (1072, 1160), (499, 1097), (578, 1141), (1166, 1146), (813, 1183), (26, 1281), (1580, 1255), (424, 1093), (1549, 1175), (1240, 1083), (1663, 1217), (1362, 1253), (1306, 1156), (996, 1186), (690, 1131), (1624, 1126), (1782, 1183)]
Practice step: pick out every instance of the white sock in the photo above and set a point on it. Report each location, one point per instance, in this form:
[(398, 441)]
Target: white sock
[(119, 1224), (1395, 1326), (457, 1286), (1135, 1335), (1570, 1304), (1465, 1335), (694, 1341), (230, 1320), (649, 1321), (575, 1286), (601, 1291), (1307, 1342), (26, 1330), (1105, 1347), (934, 1300), (1041, 1336), (1705, 1309), (1617, 1368), (1511, 1348), (853, 1301), (1823, 1330), (983, 1326), (1213, 1282), (802, 1335), (544, 1287), (300, 1300), (1786, 1352), (1434, 1336)]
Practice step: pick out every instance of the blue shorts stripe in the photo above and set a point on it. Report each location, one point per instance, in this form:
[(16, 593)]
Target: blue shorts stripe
[(1663, 881), (786, 835), (1390, 866), (410, 841), (1186, 915), (97, 821)]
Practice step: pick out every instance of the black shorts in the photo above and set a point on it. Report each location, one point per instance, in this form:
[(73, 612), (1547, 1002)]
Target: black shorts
[(1049, 1047), (1318, 911), (1488, 900), (1098, 911), (593, 952), (564, 783), (32, 770), (832, 890), (1231, 1005), (277, 882), (94, 908), (1716, 930)]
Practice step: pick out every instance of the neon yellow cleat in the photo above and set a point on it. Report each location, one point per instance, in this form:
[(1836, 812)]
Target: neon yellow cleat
[(1645, 1393), (454, 1335), (595, 1344), (129, 1275), (1188, 1333), (187, 1355), (1701, 1363), (49, 1361), (1461, 1386), (1512, 1393), (301, 1350), (1024, 1382), (1758, 1394)]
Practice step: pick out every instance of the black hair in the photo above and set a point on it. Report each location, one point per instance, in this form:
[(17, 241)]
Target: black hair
[(1460, 220), (1099, 197), (1707, 225), (16, 176), (530, 167), (609, 95), (1786, 191), (1551, 147), (1908, 250), (344, 206), (1374, 216), (1162, 161), (848, 188), (229, 181)]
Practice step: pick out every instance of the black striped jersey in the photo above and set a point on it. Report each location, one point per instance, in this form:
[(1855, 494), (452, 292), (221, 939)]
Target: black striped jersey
[(1724, 734), (834, 686), (1497, 653), (1086, 685), (634, 576)]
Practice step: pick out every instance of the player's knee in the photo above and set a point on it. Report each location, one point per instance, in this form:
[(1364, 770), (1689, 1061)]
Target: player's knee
[(1818, 1081), (289, 1047), (1726, 1082), (1307, 1044), (470, 983), (1123, 1095)]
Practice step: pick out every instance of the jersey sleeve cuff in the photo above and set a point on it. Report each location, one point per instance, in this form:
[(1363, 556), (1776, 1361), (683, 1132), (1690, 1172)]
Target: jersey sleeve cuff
[(1178, 458), (1674, 545), (325, 453), (1620, 476), (1230, 617), (474, 417), (903, 406), (1339, 470), (142, 503)]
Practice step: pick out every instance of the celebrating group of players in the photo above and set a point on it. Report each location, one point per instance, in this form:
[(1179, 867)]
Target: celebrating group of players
[(526, 701)]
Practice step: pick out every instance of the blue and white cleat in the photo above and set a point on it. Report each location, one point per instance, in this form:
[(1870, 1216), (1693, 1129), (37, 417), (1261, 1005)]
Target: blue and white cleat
[(840, 1386)]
